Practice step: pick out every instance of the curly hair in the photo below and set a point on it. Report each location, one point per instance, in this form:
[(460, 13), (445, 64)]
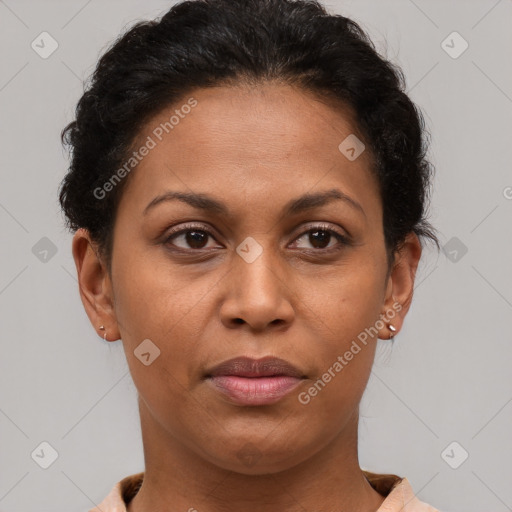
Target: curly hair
[(206, 43)]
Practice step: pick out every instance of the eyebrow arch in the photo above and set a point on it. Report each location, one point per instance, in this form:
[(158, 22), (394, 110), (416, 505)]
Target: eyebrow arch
[(309, 201), (198, 201), (208, 204)]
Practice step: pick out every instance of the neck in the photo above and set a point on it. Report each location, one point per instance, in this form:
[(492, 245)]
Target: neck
[(331, 479)]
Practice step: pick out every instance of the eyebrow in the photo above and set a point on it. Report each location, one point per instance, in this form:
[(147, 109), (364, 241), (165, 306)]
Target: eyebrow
[(293, 207)]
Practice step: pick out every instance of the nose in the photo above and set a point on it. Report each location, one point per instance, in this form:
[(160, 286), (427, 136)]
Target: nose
[(257, 294)]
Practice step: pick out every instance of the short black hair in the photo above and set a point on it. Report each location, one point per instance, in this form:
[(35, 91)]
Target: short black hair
[(205, 43)]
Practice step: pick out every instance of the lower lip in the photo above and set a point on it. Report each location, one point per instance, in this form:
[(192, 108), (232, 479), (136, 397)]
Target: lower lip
[(255, 390)]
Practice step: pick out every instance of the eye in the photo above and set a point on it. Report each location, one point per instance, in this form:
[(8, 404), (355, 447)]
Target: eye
[(321, 236), (193, 236), (196, 236)]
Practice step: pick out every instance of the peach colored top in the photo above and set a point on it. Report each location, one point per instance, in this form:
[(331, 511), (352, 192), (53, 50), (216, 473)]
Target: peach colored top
[(398, 492)]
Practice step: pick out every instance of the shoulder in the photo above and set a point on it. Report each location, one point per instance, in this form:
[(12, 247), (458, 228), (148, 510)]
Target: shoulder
[(120, 494), (402, 498), (399, 494)]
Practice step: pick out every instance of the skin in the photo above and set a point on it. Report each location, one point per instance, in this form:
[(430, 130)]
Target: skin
[(253, 149)]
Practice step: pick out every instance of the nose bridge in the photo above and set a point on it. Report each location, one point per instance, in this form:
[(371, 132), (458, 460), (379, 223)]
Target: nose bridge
[(257, 290), (256, 266)]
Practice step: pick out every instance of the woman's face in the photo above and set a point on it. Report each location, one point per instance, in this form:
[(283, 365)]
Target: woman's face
[(260, 272)]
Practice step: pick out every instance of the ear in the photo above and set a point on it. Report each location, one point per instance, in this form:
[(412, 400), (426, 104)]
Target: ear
[(400, 286), (95, 286)]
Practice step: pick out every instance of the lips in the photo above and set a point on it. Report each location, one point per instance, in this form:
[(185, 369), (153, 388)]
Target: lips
[(246, 381)]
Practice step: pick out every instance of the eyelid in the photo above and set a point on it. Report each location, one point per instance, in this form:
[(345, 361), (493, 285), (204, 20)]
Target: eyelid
[(343, 237), (189, 226), (183, 228), (324, 226)]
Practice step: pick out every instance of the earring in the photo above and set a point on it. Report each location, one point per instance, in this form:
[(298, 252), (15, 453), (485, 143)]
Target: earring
[(392, 328), (102, 328)]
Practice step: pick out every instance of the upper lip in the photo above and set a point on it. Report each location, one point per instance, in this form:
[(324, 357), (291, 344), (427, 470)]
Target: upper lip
[(248, 367)]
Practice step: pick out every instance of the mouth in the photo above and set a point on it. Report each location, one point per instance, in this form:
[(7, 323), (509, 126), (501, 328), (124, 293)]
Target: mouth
[(246, 381)]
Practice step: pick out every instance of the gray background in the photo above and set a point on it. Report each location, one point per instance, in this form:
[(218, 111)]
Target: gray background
[(448, 376)]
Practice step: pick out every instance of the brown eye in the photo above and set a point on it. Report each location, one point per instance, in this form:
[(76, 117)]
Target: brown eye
[(319, 237), (189, 237), (196, 239)]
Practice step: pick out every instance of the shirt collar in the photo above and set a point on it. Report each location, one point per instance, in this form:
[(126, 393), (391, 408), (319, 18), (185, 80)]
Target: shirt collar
[(397, 491)]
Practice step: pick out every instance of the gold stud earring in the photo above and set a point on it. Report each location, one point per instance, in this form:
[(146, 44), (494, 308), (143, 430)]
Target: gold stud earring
[(102, 328)]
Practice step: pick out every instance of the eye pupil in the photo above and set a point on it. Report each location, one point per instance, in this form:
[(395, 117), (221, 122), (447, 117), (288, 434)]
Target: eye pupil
[(323, 236), (196, 239)]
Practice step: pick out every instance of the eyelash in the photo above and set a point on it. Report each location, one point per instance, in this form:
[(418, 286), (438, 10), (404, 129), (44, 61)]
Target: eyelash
[(342, 239)]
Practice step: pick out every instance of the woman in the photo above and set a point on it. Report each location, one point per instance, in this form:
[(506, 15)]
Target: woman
[(248, 189)]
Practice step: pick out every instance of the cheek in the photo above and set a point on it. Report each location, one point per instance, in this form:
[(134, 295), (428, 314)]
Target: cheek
[(159, 305), (345, 310), (344, 302), (343, 362), (154, 307), (152, 300)]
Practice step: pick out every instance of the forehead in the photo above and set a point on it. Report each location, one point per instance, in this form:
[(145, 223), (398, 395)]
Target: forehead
[(272, 122), (263, 141)]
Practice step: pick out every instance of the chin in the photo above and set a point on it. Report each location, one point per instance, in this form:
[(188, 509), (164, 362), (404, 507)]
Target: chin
[(258, 458)]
